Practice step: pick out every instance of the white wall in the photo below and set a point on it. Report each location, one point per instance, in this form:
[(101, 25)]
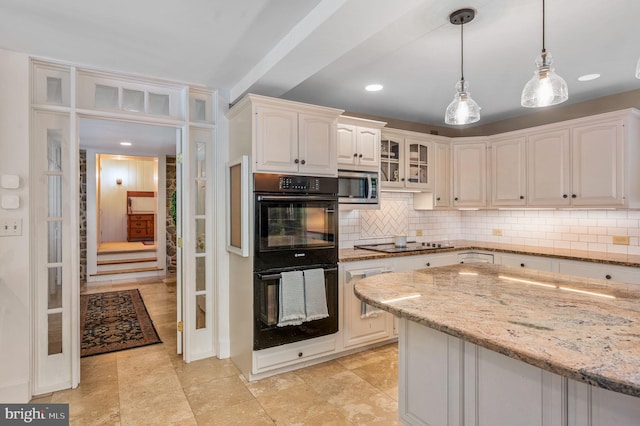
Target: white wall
[(15, 315)]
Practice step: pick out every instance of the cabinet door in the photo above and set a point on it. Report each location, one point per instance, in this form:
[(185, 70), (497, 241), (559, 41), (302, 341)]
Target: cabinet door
[(597, 166), (367, 148), (419, 164), (548, 165), (346, 145), (317, 145), (524, 261), (508, 173), (360, 329), (442, 179), (391, 163), (469, 175), (276, 140)]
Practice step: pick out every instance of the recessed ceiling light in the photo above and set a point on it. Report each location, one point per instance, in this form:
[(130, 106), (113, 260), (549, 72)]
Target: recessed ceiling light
[(588, 77), (373, 87), (125, 143)]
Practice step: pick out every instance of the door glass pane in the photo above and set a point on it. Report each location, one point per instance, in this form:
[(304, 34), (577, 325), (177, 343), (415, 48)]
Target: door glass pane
[(55, 196), (201, 242), (132, 100), (158, 104), (200, 273), (201, 164), (55, 287), (54, 90), (200, 110), (54, 236), (54, 150), (106, 97), (201, 311), (201, 197), (389, 162), (55, 333)]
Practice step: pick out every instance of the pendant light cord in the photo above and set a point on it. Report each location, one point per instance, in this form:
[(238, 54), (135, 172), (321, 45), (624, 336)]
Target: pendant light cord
[(543, 49), (462, 51)]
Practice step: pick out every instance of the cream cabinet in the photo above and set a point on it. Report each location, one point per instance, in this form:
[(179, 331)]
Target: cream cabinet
[(469, 173), (442, 180), (406, 160), (363, 324), (358, 144), (548, 165), (286, 136), (509, 172)]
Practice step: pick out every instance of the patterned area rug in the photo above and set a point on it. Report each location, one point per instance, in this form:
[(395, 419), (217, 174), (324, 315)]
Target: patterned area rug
[(115, 321)]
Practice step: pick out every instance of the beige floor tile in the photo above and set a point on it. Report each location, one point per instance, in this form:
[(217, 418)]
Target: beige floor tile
[(376, 410), (344, 388), (214, 395), (329, 418), (294, 405), (320, 372), (363, 358), (273, 384), (156, 408), (204, 371), (381, 374), (248, 413)]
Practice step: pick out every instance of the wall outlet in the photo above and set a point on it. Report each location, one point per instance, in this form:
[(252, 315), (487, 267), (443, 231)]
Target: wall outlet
[(620, 239), (497, 232), (10, 227), (419, 233)]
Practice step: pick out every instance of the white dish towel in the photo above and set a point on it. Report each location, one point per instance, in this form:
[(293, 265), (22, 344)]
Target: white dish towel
[(291, 299), (315, 295)]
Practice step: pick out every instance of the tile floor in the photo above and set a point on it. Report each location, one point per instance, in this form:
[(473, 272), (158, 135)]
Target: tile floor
[(151, 385)]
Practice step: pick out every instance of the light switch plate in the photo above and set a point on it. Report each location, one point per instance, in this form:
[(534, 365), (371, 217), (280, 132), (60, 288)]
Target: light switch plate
[(10, 202), (10, 181), (10, 227)]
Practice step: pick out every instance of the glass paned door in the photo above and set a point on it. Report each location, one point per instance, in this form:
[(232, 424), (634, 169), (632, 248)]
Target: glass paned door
[(391, 173), (54, 276), (419, 164), (198, 247)]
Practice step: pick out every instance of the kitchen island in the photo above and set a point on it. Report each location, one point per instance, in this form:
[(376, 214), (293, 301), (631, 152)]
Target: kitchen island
[(490, 344)]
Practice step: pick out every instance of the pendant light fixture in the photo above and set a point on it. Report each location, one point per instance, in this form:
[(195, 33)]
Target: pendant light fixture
[(463, 109), (638, 69), (545, 87)]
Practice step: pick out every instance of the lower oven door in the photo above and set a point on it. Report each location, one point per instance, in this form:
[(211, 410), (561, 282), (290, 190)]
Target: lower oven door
[(266, 308)]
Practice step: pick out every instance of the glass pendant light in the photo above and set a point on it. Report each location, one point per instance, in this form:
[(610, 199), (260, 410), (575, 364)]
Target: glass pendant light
[(545, 87), (463, 109), (638, 69)]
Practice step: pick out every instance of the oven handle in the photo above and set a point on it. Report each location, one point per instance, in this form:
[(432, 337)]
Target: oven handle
[(278, 276), (296, 198)]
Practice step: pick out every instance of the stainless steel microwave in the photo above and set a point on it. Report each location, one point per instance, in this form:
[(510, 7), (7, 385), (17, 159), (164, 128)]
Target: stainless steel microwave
[(358, 187)]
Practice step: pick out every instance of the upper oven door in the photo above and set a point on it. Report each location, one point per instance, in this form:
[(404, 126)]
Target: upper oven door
[(295, 230)]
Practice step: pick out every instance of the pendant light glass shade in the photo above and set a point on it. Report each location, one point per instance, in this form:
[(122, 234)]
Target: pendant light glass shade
[(463, 109), (545, 87), (638, 69)]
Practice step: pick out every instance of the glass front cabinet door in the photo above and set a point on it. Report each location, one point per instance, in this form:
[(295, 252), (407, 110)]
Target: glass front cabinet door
[(406, 160), (392, 162), (419, 164)]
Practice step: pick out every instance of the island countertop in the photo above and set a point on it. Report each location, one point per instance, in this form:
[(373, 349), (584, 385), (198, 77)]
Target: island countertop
[(583, 329)]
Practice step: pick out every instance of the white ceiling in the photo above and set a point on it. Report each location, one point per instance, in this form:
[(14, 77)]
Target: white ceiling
[(325, 51)]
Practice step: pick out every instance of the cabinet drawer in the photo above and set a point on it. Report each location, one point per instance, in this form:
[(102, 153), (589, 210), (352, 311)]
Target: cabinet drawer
[(137, 224), (523, 261), (600, 271), (138, 233), (281, 356), (133, 217)]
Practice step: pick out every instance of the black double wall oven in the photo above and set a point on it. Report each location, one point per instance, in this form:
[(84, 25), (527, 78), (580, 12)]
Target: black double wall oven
[(296, 229)]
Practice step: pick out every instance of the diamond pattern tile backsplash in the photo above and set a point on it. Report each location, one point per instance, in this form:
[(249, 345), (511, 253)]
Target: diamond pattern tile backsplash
[(391, 219)]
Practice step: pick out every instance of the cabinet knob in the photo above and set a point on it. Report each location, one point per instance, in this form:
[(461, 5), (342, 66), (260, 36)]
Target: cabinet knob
[(402, 179), (522, 197), (360, 156), (565, 196), (300, 354), (355, 154), (455, 199), (438, 199), (608, 276), (574, 196), (303, 162), (462, 261), (428, 264), (522, 265), (296, 161)]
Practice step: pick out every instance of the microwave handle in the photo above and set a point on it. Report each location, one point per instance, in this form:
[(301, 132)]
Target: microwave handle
[(369, 187)]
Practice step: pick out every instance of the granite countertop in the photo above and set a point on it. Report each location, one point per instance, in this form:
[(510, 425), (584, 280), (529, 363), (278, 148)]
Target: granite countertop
[(351, 255), (591, 335)]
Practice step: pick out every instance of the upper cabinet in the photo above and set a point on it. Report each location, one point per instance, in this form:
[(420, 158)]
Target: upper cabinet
[(509, 172), (406, 160), (285, 136), (359, 144), (469, 172), (548, 166), (442, 180)]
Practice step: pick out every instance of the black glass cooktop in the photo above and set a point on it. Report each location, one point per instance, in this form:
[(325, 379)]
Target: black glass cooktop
[(411, 246)]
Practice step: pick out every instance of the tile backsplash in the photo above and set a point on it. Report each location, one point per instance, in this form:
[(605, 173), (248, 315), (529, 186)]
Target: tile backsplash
[(571, 229)]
